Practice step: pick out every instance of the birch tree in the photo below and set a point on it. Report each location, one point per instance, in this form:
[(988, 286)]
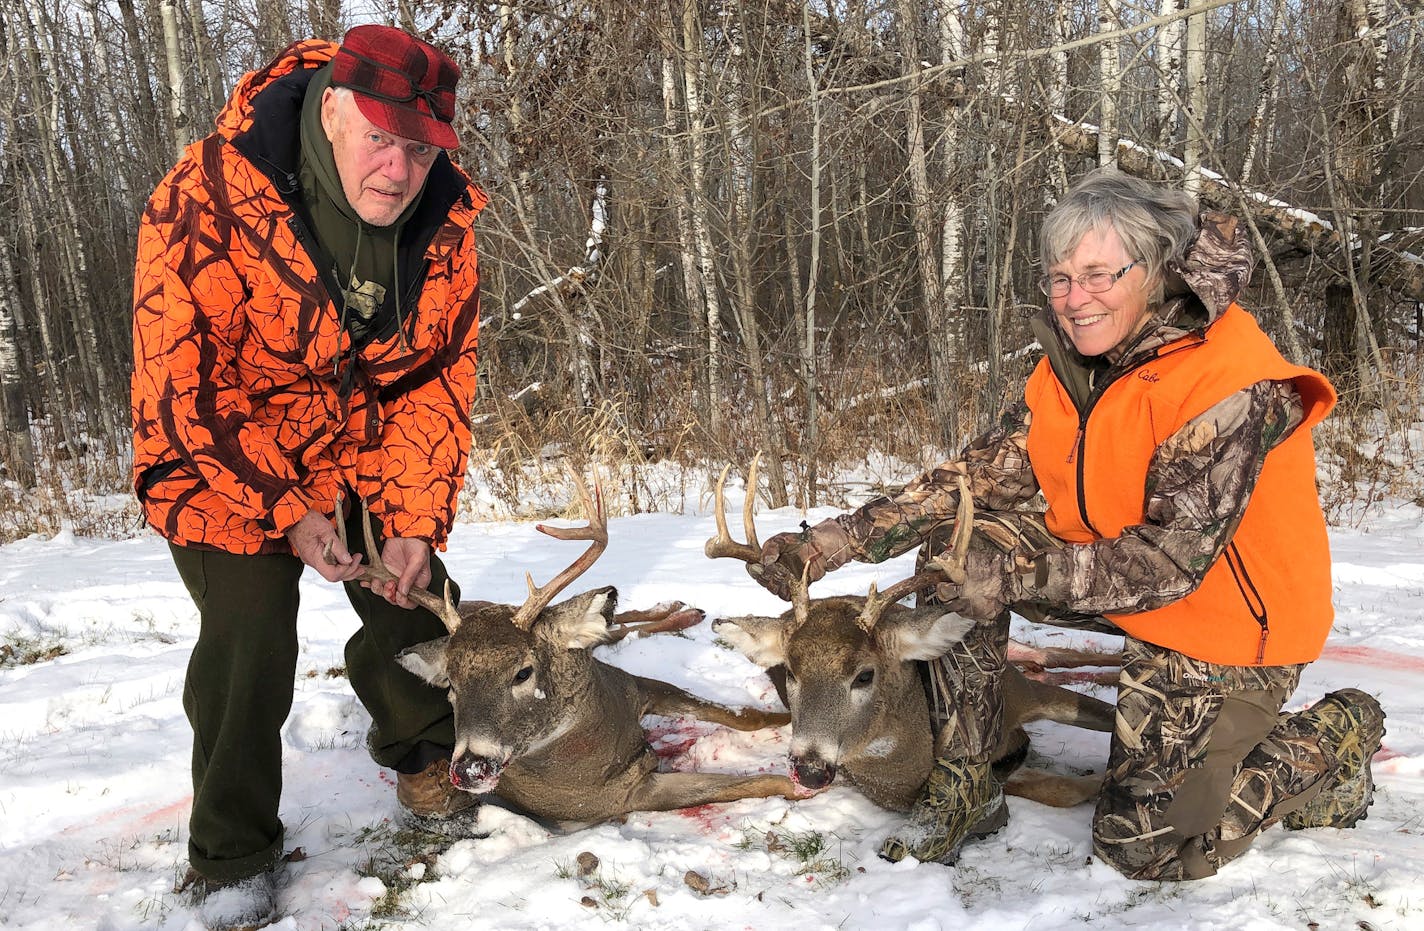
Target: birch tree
[(1110, 79)]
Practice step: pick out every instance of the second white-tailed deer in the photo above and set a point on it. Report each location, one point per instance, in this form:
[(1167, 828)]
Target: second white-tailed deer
[(858, 704), (548, 728)]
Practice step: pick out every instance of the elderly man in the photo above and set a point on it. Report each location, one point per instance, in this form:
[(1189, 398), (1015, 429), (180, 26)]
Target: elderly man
[(306, 302)]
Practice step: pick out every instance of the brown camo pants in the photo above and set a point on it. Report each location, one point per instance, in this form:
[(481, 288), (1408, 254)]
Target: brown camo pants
[(1201, 759)]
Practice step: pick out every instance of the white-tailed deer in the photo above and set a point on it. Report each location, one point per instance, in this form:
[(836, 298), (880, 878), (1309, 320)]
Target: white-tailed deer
[(858, 703), (548, 728)]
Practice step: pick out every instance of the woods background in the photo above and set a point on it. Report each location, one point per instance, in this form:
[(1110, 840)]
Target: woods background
[(723, 227)]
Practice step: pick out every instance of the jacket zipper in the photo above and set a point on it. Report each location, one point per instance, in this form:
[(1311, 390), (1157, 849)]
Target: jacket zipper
[(1077, 456), (1237, 565)]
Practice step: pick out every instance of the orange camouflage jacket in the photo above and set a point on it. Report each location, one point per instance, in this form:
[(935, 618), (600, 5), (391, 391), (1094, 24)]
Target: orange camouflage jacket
[(251, 405)]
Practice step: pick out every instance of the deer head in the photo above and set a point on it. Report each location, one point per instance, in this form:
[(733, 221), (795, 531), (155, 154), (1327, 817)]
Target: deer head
[(848, 661), (514, 675)]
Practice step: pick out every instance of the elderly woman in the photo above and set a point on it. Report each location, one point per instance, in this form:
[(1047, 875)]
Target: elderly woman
[(1171, 442)]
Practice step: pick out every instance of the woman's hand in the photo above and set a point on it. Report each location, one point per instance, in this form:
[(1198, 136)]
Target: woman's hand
[(787, 558)]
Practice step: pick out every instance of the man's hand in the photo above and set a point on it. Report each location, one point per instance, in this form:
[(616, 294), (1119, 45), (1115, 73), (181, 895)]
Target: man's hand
[(314, 541), (409, 559)]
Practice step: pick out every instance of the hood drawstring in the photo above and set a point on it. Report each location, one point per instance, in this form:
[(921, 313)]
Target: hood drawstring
[(400, 321), (346, 300)]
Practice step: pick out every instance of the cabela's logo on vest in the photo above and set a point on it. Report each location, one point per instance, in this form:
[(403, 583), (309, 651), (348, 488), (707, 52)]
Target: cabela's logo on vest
[(1148, 375)]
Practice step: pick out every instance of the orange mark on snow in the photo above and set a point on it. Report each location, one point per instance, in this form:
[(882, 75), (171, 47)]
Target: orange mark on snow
[(1369, 656)]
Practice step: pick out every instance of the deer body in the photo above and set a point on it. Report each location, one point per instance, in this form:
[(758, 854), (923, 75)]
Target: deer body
[(544, 725), (858, 705)]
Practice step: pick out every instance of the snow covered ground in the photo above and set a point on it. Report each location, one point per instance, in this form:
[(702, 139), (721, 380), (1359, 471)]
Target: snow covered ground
[(94, 789)]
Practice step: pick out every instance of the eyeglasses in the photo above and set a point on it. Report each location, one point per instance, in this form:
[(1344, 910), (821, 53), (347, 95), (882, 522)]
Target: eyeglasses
[(1091, 282)]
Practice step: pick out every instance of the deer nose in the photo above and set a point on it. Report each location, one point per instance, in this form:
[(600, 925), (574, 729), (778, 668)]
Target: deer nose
[(812, 773), (477, 774)]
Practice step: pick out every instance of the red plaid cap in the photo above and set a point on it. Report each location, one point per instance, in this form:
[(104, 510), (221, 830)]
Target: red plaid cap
[(402, 84)]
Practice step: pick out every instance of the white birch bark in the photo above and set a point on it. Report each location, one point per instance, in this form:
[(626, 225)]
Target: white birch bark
[(1057, 104), (1110, 80), (1169, 74), (701, 236), (1267, 91), (177, 84), (1196, 102)]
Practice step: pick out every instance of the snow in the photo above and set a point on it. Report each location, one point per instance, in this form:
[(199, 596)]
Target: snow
[(95, 794)]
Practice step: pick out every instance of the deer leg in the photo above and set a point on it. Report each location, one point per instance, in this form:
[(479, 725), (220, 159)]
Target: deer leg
[(666, 791), (654, 621), (1059, 657), (662, 698), (1053, 789), (1065, 677), (1052, 703)]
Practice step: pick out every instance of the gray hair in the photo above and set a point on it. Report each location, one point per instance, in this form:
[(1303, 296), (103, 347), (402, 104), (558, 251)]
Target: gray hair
[(1155, 223)]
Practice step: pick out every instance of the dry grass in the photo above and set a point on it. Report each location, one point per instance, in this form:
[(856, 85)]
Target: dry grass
[(654, 452)]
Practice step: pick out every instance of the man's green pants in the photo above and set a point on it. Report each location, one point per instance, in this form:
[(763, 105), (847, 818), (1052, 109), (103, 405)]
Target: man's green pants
[(239, 686)]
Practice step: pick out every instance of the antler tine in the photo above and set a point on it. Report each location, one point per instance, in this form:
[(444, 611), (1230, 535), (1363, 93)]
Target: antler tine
[(596, 530), (722, 544), (376, 570), (952, 563), (876, 602), (749, 505), (800, 591)]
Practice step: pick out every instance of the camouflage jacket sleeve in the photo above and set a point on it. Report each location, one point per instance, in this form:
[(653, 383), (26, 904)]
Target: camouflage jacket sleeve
[(1198, 484), (996, 465)]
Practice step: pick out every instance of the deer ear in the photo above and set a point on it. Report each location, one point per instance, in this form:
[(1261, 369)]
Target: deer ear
[(582, 621), (427, 660), (921, 635), (761, 639)]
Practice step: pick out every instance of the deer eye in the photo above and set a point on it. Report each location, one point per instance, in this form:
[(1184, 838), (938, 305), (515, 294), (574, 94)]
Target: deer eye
[(523, 674), (865, 677)]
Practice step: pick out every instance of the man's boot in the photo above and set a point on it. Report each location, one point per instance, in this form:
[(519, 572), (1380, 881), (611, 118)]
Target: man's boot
[(1351, 726), (430, 803), (961, 801), (244, 904)]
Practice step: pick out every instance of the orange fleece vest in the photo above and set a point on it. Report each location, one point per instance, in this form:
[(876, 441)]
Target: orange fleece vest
[(1266, 600)]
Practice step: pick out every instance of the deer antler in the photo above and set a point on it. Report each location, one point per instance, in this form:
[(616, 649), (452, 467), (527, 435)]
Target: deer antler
[(595, 530), (722, 545), (376, 571), (949, 567), (876, 602), (952, 563)]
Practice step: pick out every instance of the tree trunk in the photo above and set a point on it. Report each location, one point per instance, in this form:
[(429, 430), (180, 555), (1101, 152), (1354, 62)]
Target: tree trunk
[(810, 450), (214, 88), (687, 259), (1110, 79), (1196, 102), (177, 80), (1169, 74), (692, 55), (1259, 128), (743, 152), (19, 444)]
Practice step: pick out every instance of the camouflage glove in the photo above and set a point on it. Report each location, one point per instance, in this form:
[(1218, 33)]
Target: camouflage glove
[(809, 554), (992, 581)]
